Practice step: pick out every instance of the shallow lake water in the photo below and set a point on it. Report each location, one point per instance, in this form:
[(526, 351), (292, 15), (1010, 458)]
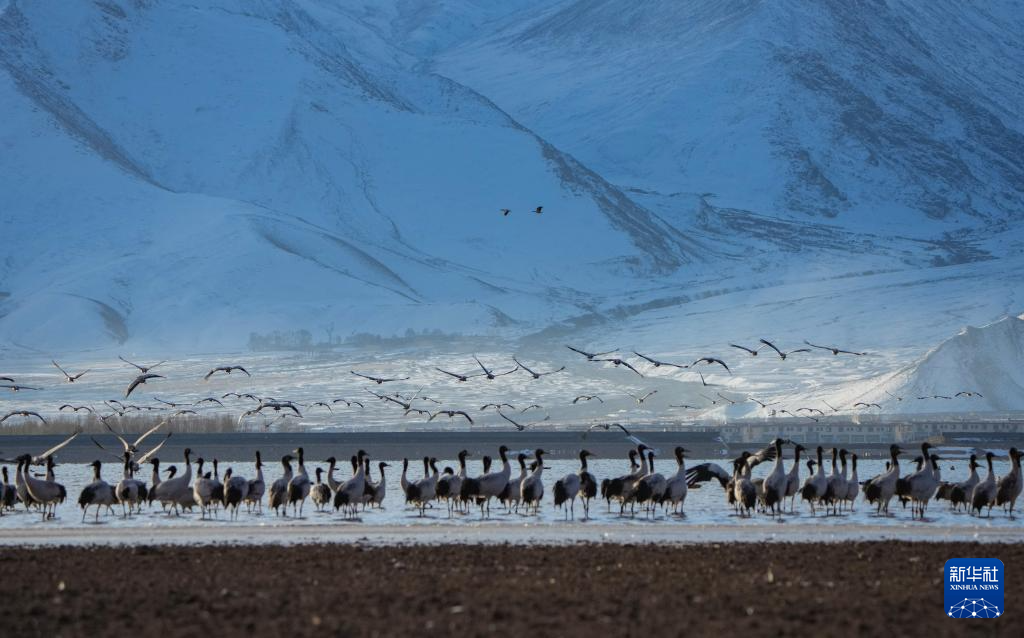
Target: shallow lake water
[(705, 509)]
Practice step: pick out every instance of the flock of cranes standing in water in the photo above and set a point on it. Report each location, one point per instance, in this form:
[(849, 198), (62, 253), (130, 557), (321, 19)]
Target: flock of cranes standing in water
[(642, 488)]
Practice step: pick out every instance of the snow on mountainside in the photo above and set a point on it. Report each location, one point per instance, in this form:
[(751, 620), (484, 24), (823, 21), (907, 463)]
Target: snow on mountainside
[(174, 176), (878, 114), (987, 360), (188, 175)]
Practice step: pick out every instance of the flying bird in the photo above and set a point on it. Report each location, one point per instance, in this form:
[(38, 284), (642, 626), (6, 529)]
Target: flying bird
[(498, 406), (609, 426), (658, 364), (685, 406), (834, 350), (322, 405), (451, 414), (71, 378), (589, 355), (209, 400), (76, 408), (619, 362), (536, 375), (710, 360), (226, 370), (17, 388), (725, 398), (782, 354), (587, 397), (834, 409), (893, 395), (460, 377), (809, 410), (348, 404), (752, 352), (969, 393), (504, 211), (170, 403), (538, 210), (936, 396), (640, 399), (798, 415), (142, 369), (762, 403), (22, 413), (377, 380), (277, 406), (490, 374), (141, 379), (520, 426), (860, 404), (530, 407), (7, 379)]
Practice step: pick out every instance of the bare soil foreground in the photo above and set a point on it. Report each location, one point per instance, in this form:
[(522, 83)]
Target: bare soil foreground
[(463, 590)]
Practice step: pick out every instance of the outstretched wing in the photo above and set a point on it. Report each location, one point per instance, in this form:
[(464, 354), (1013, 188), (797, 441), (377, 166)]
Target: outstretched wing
[(706, 472)]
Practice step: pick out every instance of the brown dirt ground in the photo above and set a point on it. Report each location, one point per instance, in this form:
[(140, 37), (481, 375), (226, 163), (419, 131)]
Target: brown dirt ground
[(465, 590)]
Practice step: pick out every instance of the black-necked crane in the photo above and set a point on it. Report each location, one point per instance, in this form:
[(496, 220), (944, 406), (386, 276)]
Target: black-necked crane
[(71, 378), (650, 489), (350, 493), (984, 494), (202, 488), (774, 486), (257, 487), (380, 488), (510, 496), (226, 370), (47, 493), (853, 483), (567, 488), (236, 490), (130, 492), (177, 490), (8, 493), (299, 485), (320, 493), (793, 478), (813, 490), (98, 493), (881, 488), (278, 499), (676, 486), (1009, 486), (491, 484), (536, 375), (960, 493), (532, 490)]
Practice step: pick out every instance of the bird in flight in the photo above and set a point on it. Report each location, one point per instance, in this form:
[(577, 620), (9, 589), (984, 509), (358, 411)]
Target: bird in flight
[(139, 380), (490, 374), (76, 408), (809, 410), (762, 403), (227, 370), (587, 397), (589, 355), (530, 407), (968, 393), (461, 377), (798, 415), (497, 406), (619, 362), (538, 210), (17, 388), (834, 409), (348, 404), (208, 400), (753, 352), (70, 377), (142, 369), (936, 396), (834, 350), (725, 398), (505, 212), (892, 395), (536, 375), (7, 379), (640, 399), (862, 404), (169, 403), (520, 426), (710, 360), (377, 380), (609, 426), (658, 364), (782, 354), (22, 413), (322, 404), (685, 406), (451, 414)]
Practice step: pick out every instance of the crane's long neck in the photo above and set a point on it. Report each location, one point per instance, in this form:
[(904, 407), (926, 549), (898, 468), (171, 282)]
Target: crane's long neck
[(96, 472)]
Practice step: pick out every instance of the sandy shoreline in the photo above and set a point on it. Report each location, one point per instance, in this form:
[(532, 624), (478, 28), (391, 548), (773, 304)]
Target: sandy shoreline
[(575, 590), (495, 532)]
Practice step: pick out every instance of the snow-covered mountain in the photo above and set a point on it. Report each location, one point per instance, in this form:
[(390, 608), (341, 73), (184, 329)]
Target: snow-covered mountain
[(179, 175)]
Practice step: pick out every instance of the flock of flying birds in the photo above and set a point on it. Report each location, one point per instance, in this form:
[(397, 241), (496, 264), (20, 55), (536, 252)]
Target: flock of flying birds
[(430, 408)]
